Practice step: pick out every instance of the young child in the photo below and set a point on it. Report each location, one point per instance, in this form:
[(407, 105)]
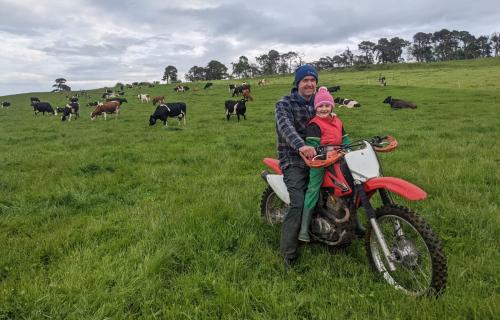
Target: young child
[(324, 129)]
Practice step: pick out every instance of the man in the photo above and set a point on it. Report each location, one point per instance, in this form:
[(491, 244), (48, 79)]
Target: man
[(293, 113)]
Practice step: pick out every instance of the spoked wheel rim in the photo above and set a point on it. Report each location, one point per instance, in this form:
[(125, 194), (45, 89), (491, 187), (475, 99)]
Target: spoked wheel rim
[(410, 255), (275, 209)]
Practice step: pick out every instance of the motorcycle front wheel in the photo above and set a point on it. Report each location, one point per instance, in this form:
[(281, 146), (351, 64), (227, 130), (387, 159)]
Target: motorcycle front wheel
[(272, 208), (421, 267)]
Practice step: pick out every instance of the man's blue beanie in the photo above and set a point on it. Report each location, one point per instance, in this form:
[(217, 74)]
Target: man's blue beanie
[(304, 71)]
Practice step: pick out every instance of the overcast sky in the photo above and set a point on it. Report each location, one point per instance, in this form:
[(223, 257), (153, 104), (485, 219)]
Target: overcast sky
[(96, 43)]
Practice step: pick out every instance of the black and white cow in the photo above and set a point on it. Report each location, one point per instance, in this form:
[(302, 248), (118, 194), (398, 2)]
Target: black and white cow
[(69, 110), (43, 107), (399, 104), (349, 103), (235, 107), (73, 99), (5, 104), (172, 109), (34, 99), (208, 85)]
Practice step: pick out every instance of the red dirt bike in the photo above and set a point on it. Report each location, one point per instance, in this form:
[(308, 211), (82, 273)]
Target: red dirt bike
[(400, 245)]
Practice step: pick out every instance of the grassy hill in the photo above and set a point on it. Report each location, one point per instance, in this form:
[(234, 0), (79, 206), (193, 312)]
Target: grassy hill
[(116, 219)]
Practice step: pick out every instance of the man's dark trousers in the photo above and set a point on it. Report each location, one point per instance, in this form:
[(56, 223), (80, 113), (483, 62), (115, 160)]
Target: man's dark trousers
[(296, 179)]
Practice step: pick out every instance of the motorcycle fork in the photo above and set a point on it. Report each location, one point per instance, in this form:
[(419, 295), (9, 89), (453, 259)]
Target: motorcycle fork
[(370, 212), (387, 200)]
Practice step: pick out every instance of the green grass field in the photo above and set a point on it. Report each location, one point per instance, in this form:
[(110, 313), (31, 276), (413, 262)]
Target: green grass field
[(116, 219)]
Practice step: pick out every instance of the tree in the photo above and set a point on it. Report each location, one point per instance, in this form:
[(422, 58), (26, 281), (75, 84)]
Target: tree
[(170, 74), (269, 62), (242, 68), (196, 74), (368, 48), (60, 85), (287, 61), (484, 46), (495, 43), (422, 48), (390, 51), (215, 70), (445, 44)]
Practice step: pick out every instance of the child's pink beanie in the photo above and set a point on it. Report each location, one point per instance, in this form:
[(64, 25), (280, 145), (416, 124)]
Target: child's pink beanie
[(322, 97)]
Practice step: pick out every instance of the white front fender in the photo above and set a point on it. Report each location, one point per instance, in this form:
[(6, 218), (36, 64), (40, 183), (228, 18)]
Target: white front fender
[(278, 185)]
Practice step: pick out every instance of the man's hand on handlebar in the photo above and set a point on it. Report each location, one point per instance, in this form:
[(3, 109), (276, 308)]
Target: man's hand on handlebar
[(308, 152)]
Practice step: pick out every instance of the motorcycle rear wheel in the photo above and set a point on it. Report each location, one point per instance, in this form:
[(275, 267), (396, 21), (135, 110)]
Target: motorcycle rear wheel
[(272, 208), (421, 267)]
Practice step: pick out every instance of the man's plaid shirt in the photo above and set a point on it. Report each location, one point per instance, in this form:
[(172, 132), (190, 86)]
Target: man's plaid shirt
[(292, 116)]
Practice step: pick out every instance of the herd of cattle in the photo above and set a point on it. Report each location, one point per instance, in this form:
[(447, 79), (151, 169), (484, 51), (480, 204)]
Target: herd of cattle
[(114, 100)]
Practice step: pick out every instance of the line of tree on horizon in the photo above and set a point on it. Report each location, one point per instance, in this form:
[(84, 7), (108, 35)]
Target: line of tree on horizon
[(443, 45)]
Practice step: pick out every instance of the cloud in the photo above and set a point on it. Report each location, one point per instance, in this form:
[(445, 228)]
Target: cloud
[(90, 42)]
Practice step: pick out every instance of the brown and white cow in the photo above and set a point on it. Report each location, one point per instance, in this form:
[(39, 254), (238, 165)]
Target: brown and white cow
[(160, 99), (106, 107)]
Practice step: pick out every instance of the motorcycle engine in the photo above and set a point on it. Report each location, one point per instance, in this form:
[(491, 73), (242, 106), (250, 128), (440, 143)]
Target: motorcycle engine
[(332, 222), (324, 229)]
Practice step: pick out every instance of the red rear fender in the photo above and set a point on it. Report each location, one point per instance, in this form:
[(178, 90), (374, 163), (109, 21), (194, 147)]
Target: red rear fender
[(273, 164), (396, 185)]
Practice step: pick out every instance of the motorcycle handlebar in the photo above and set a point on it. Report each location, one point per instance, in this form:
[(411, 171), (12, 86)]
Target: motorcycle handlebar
[(379, 144)]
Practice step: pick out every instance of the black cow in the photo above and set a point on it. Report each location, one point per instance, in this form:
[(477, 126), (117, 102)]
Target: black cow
[(333, 89), (73, 99), (5, 104), (43, 107), (235, 107), (173, 109), (34, 99), (208, 85), (399, 104)]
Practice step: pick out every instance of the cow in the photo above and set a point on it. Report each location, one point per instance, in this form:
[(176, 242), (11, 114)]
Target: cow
[(180, 88), (43, 107), (235, 107), (381, 80), (239, 89), (107, 107), (399, 104), (160, 99), (262, 82), (143, 97), (231, 88), (5, 104), (118, 99), (173, 109), (93, 104), (349, 103), (69, 110), (73, 99), (247, 95), (333, 89), (208, 85)]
